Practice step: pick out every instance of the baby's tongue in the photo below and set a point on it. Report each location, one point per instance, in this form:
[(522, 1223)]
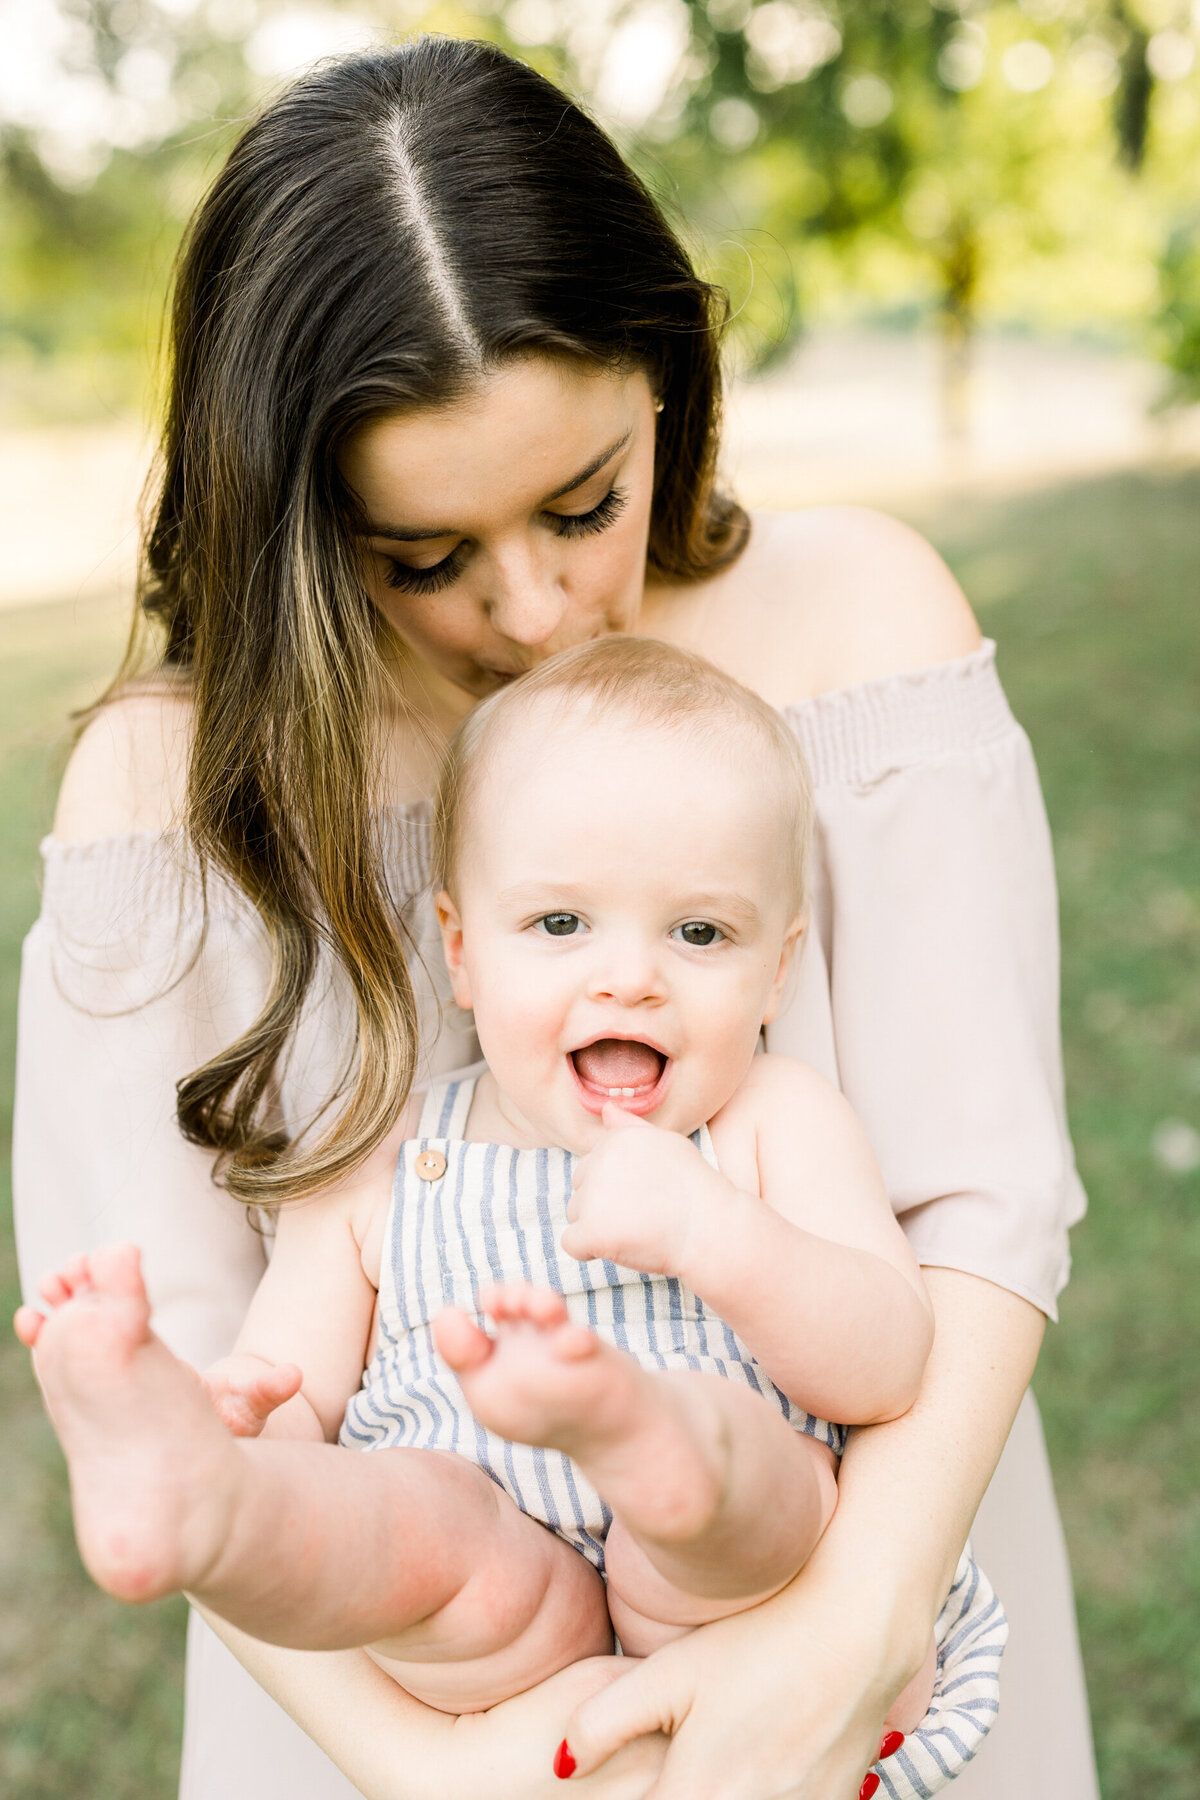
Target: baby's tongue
[(614, 1062)]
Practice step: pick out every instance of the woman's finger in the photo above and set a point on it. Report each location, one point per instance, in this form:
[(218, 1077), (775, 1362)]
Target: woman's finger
[(889, 1743), (632, 1706)]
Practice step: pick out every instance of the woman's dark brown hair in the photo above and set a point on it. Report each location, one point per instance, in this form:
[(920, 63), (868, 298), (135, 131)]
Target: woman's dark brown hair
[(394, 226)]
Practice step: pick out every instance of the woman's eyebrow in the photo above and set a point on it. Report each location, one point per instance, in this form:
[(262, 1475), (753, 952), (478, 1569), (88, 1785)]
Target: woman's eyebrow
[(406, 535)]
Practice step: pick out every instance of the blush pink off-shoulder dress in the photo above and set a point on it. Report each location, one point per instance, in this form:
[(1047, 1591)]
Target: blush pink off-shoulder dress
[(928, 991)]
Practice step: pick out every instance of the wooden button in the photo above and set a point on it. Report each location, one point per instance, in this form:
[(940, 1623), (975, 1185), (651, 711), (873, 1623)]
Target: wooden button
[(430, 1165)]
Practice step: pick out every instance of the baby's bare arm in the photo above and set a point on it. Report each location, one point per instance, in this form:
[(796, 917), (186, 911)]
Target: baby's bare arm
[(816, 1275), (303, 1344)]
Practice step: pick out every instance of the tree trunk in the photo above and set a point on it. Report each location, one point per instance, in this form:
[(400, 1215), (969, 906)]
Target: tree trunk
[(960, 283)]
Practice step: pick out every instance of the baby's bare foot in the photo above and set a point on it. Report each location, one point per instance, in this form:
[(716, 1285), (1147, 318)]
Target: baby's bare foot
[(647, 1441), (143, 1445)]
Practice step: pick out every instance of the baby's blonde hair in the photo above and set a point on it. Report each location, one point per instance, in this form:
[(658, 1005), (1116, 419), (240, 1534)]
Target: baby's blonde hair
[(649, 683)]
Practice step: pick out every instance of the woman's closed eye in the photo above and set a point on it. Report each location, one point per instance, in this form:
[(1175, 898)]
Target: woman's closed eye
[(585, 524), (698, 934), (409, 580), (426, 581)]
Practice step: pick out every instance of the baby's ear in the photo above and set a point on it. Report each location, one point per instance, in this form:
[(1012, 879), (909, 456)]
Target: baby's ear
[(792, 944), (450, 925)]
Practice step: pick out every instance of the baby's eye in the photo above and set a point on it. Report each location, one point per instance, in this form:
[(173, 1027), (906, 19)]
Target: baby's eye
[(699, 933), (559, 924)]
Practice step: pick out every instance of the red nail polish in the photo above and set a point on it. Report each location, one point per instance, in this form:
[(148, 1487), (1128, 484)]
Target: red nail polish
[(892, 1741), (868, 1787), (564, 1762)]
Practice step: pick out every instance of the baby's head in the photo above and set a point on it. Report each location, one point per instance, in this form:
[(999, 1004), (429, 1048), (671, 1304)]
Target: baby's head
[(622, 838)]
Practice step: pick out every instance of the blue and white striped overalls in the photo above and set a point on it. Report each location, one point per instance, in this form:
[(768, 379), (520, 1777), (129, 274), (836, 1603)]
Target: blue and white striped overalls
[(493, 1213), (472, 1213)]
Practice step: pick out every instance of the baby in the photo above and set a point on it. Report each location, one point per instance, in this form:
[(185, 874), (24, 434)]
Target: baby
[(682, 1250)]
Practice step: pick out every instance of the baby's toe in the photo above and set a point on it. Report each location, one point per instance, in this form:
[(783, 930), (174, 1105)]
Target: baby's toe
[(544, 1306), (27, 1323), (118, 1271), (459, 1341)]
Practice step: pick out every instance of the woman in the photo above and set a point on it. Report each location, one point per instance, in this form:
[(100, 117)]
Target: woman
[(444, 402)]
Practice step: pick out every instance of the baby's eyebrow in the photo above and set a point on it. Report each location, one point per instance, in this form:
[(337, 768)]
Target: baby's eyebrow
[(739, 909), (728, 904), (542, 893)]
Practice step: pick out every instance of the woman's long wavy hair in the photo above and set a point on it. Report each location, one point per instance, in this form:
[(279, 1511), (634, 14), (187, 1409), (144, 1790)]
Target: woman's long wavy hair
[(388, 230)]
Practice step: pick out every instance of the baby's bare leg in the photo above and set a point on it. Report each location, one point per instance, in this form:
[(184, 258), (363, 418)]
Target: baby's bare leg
[(304, 1544), (771, 1493), (717, 1500)]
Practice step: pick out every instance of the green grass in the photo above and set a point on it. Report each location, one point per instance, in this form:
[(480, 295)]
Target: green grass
[(1092, 591), (89, 1690)]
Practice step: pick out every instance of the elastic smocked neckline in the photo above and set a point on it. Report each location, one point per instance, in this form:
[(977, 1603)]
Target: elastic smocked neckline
[(851, 736)]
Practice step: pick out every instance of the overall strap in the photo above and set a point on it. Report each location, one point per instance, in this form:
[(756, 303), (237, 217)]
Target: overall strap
[(704, 1144), (447, 1105)]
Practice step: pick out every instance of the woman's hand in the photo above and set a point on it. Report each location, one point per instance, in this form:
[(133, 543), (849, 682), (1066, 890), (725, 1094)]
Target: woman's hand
[(513, 1749), (785, 1702)]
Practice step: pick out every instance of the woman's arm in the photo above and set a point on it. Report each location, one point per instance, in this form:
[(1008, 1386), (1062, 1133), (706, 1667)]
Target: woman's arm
[(120, 995), (788, 1700), (393, 1748), (781, 1703)]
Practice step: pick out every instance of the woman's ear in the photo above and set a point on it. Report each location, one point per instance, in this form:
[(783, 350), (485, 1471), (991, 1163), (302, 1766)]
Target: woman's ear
[(787, 960), (450, 925)]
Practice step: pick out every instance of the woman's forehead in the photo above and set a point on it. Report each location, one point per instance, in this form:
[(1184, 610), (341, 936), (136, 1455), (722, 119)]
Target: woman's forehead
[(528, 431)]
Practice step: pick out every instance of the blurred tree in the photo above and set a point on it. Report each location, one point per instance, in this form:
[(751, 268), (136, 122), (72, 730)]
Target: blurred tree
[(1179, 317), (1135, 87), (1002, 158), (974, 137)]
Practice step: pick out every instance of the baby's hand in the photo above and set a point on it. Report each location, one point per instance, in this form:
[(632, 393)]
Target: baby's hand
[(246, 1390), (641, 1197)]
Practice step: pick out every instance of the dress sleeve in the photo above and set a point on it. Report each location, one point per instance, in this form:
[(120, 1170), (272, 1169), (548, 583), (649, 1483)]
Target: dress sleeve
[(936, 913), (123, 992)]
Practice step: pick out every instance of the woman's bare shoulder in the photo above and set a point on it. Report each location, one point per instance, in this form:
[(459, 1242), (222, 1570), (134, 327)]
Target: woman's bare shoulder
[(824, 598), (128, 772)]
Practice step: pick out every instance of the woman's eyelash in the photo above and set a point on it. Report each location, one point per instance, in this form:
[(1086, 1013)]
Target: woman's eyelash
[(408, 580), (599, 519), (424, 581)]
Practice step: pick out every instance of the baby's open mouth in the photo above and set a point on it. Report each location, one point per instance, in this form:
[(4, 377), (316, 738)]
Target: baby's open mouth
[(624, 1070)]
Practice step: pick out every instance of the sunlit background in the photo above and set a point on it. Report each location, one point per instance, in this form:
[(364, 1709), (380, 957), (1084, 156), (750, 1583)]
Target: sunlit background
[(961, 241)]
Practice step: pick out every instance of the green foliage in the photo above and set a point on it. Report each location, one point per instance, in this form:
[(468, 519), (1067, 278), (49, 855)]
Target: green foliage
[(1179, 317), (980, 156), (1019, 159)]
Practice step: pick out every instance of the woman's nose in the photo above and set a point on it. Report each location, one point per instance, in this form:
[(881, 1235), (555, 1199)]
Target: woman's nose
[(527, 603)]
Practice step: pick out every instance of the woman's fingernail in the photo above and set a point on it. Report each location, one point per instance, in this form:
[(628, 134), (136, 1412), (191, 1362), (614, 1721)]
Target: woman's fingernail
[(868, 1787), (564, 1762), (892, 1741)]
